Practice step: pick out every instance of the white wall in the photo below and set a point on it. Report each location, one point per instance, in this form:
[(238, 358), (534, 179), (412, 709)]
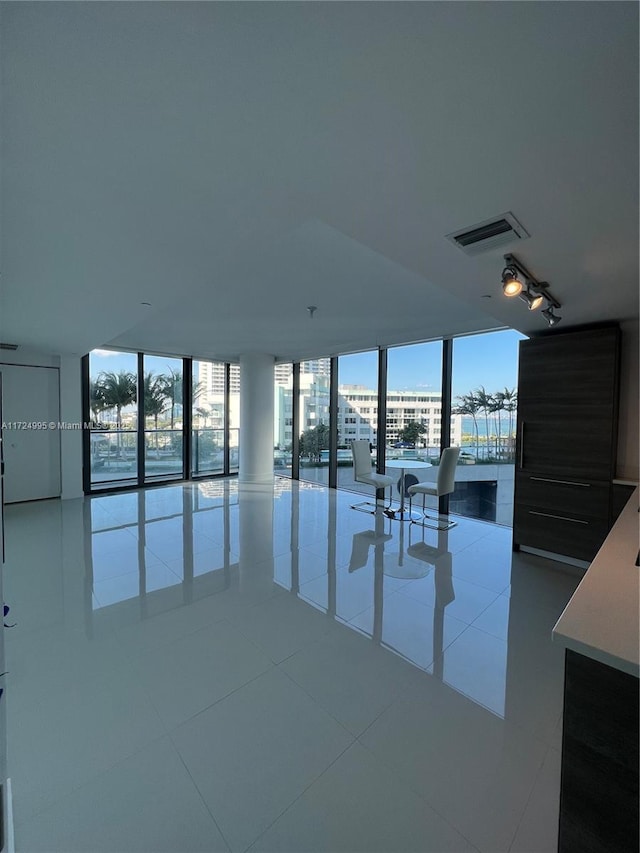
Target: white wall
[(628, 433)]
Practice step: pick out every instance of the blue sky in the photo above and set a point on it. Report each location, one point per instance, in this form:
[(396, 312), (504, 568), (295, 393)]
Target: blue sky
[(490, 360)]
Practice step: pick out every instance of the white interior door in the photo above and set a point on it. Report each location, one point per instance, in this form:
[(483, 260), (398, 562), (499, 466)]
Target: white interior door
[(31, 395)]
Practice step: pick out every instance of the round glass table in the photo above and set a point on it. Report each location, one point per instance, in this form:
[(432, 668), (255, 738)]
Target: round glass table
[(402, 465)]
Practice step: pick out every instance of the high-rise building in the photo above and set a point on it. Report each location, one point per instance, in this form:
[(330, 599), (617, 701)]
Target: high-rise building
[(317, 366), (282, 373), (211, 374)]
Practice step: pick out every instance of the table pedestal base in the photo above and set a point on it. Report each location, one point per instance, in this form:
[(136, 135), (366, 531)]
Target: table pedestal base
[(403, 514)]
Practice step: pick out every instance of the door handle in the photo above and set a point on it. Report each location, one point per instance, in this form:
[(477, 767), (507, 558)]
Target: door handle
[(559, 517), (563, 482)]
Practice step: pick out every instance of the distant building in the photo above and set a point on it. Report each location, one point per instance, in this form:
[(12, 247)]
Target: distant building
[(358, 412), (211, 375), (282, 373), (358, 415), (209, 404)]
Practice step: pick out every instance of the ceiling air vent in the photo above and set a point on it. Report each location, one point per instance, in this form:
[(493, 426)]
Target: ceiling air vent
[(3, 345), (488, 235)]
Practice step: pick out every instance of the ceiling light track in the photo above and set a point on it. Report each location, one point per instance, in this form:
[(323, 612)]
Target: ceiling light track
[(518, 281)]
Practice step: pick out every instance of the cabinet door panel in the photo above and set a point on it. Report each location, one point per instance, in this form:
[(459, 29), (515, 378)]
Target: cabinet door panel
[(581, 498), (575, 449), (560, 533), (576, 368)]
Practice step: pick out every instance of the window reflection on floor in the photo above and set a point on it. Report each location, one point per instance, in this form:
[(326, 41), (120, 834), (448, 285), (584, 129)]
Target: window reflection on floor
[(439, 599)]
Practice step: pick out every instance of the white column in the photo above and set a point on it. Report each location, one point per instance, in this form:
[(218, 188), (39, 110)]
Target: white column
[(256, 418), (71, 414)]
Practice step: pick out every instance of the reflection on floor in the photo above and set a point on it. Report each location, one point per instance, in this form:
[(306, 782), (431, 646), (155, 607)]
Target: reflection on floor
[(211, 667)]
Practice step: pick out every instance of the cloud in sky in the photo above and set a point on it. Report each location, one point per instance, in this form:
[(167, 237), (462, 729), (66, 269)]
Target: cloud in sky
[(105, 352)]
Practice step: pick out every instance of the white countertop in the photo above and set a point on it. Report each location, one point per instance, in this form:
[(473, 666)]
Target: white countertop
[(601, 620)]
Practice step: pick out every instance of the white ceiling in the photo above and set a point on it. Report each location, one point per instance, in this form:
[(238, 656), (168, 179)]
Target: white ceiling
[(233, 163)]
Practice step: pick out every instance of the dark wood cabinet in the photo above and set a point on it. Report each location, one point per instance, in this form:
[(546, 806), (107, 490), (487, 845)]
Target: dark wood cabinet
[(566, 440), (599, 786)]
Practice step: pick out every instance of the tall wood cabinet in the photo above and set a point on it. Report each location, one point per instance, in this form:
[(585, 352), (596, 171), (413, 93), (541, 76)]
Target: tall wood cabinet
[(5, 801), (566, 440)]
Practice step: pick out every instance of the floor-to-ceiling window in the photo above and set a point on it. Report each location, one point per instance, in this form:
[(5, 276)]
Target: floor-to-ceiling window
[(414, 410), (112, 396), (314, 420), (357, 416), (282, 419), (234, 418), (414, 399), (145, 416), (162, 394), (208, 414), (484, 398), (406, 421)]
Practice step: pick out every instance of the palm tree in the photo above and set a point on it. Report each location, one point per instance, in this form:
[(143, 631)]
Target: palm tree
[(204, 414), (468, 405), (510, 404), (172, 383), (119, 390), (484, 402), (197, 388), (154, 399), (497, 407), (96, 398)]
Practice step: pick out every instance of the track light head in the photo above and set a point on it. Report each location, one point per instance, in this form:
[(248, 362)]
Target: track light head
[(511, 286), (533, 301), (551, 318)]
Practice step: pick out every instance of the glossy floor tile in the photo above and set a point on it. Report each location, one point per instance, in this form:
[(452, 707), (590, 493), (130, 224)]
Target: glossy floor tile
[(255, 752), (221, 667), (359, 805), (471, 766), (538, 827), (145, 803)]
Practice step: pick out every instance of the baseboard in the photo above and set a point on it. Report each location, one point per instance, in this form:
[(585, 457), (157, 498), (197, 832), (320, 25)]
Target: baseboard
[(559, 558)]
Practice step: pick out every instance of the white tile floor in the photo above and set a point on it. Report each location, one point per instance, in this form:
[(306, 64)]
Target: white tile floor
[(213, 667)]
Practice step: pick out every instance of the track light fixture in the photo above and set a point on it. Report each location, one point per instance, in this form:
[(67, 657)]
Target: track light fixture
[(511, 286), (518, 281), (533, 300), (551, 318)]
